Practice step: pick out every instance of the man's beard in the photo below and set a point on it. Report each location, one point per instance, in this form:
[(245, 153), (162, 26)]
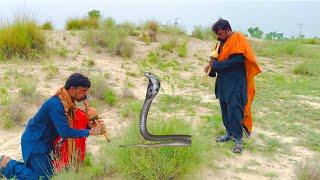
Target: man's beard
[(81, 99)]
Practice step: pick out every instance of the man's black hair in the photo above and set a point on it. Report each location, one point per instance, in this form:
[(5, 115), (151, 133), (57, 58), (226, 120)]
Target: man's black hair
[(221, 24), (77, 80)]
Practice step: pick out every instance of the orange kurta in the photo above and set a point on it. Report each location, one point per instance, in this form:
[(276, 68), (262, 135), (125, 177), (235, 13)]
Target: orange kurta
[(237, 44)]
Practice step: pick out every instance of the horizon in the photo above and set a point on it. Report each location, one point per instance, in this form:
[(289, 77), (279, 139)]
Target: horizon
[(254, 13)]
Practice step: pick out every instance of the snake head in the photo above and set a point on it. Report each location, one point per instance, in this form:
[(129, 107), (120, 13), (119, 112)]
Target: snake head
[(153, 86)]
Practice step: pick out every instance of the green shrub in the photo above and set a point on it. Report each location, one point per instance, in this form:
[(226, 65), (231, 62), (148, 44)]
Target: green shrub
[(89, 169), (292, 48), (50, 69), (110, 97), (99, 86), (149, 31), (312, 141), (109, 23), (63, 51), (89, 62), (157, 163), (203, 33), (175, 44), (27, 87), (305, 69), (74, 24), (12, 114), (112, 37), (164, 65), (11, 110), (130, 28), (4, 96), (311, 41), (182, 50), (47, 26), (22, 38), (94, 14), (171, 45), (153, 58), (173, 29), (152, 25), (80, 24), (131, 109), (310, 170), (125, 48)]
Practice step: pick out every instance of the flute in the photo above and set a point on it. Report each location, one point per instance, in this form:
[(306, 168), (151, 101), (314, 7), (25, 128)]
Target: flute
[(214, 54)]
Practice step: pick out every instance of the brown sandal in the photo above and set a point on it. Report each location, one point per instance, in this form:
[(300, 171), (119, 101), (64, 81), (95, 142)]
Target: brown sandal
[(223, 138), (238, 146)]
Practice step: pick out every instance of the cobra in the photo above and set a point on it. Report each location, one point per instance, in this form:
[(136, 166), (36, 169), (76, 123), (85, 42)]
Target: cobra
[(159, 140)]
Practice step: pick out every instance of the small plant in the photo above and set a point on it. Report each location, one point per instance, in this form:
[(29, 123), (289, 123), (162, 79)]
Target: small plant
[(310, 170), (89, 169), (12, 115), (88, 62), (124, 48), (171, 45), (131, 109), (173, 29), (109, 23), (4, 96), (151, 25), (47, 26), (304, 69), (27, 87), (153, 58), (110, 97), (50, 69), (150, 29), (98, 86), (165, 65), (182, 50), (130, 28), (175, 44), (63, 51), (203, 33)]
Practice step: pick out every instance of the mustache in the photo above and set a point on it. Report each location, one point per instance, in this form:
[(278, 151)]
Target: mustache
[(83, 98)]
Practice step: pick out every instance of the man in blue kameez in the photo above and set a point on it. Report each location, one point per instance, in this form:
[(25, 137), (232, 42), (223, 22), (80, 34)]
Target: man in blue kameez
[(49, 122)]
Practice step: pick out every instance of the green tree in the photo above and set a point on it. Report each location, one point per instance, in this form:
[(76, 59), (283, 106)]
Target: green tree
[(255, 32), (94, 14), (274, 35)]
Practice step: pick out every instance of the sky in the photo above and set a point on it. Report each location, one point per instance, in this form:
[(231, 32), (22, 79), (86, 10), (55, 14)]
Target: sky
[(290, 17)]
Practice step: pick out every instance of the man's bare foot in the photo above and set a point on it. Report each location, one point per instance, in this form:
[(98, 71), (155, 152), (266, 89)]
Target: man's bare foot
[(5, 161)]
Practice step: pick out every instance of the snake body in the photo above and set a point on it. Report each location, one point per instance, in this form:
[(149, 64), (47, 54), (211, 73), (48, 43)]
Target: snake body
[(162, 140)]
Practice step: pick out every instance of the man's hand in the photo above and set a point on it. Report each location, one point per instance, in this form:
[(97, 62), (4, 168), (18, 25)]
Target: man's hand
[(99, 129), (206, 69)]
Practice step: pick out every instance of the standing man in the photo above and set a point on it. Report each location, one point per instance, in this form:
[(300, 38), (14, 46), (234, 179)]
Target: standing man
[(236, 67), (52, 120)]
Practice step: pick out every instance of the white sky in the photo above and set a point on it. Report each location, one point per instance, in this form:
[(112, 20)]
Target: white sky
[(270, 15)]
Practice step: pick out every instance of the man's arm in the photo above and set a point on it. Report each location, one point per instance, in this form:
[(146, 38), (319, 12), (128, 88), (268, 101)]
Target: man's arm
[(60, 121), (234, 60)]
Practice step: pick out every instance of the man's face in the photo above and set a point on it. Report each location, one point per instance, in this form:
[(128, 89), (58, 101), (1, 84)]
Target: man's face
[(79, 93), (222, 35)]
